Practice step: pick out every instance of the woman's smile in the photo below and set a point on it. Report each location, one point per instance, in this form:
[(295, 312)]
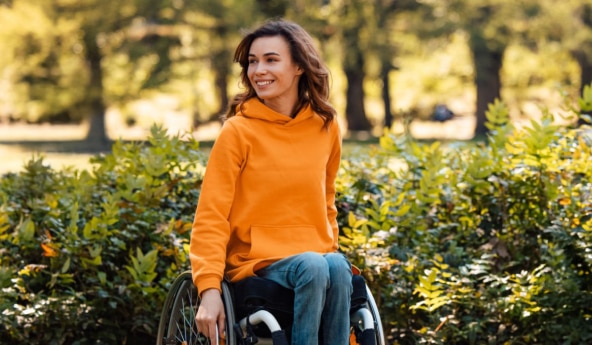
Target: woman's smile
[(263, 82)]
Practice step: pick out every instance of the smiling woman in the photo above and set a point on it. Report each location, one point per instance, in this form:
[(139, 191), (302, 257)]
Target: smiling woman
[(267, 203)]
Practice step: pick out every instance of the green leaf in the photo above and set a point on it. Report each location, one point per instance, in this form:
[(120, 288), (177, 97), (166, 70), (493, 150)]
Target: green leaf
[(102, 277), (143, 266), (66, 266), (26, 231), (403, 210)]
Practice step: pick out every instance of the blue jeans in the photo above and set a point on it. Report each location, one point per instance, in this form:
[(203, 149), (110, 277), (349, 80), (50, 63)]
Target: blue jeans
[(322, 287)]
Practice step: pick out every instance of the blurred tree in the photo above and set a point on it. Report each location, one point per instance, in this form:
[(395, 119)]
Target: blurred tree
[(582, 47), (386, 13), (568, 23), (348, 21), (488, 39), (38, 64), (142, 27), (274, 8), (491, 25), (383, 12), (76, 58), (353, 18), (222, 21), (59, 60)]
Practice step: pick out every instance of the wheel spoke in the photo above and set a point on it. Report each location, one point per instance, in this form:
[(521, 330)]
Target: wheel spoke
[(186, 332)]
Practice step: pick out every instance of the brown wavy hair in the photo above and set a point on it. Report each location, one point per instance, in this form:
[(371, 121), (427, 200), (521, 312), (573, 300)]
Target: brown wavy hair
[(313, 86)]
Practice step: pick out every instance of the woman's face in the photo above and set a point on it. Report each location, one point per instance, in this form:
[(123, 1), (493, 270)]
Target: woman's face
[(273, 74)]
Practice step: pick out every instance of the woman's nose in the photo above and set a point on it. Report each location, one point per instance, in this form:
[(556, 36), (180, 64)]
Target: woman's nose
[(260, 69)]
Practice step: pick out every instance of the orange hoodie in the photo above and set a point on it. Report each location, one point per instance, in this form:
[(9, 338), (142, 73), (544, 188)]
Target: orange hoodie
[(268, 193)]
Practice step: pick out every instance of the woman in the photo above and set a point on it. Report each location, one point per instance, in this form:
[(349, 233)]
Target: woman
[(267, 204)]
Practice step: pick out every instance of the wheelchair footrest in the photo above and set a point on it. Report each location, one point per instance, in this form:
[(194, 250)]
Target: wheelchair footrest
[(367, 337), (279, 338)]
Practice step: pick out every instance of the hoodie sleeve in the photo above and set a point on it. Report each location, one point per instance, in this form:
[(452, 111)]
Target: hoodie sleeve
[(332, 169), (211, 229)]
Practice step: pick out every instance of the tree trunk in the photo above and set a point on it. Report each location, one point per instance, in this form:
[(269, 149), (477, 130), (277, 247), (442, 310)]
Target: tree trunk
[(221, 65), (583, 53), (488, 63), (353, 67), (386, 94), (221, 82), (585, 62), (96, 137), (384, 12), (354, 109)]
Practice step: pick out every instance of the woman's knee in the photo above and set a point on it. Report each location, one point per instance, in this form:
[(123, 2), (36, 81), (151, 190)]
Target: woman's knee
[(313, 265), (339, 268)]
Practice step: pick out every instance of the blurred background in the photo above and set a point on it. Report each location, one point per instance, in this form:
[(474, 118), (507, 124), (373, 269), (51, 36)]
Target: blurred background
[(77, 74)]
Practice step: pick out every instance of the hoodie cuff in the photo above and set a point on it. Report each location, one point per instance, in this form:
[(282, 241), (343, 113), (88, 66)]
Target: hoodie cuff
[(206, 284)]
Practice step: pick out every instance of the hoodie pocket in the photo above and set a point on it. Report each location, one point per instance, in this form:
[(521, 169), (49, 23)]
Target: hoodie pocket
[(272, 241)]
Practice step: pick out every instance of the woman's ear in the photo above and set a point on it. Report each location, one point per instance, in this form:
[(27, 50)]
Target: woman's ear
[(299, 70)]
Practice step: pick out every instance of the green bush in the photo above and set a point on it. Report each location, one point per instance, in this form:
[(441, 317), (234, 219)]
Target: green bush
[(476, 244), (87, 256), (461, 243)]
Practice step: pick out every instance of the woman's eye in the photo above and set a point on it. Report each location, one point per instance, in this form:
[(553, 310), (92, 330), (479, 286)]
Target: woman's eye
[(252, 62)]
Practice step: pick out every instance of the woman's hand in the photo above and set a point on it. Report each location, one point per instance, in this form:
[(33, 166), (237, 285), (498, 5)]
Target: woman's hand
[(211, 314)]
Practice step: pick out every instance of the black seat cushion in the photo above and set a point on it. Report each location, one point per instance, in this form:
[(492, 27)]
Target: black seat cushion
[(255, 293)]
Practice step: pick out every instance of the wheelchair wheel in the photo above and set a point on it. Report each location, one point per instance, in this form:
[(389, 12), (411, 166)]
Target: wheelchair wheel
[(177, 322), (376, 316), (366, 326)]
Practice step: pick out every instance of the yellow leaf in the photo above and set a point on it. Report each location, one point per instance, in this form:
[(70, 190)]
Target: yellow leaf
[(439, 258), (351, 219), (565, 201)]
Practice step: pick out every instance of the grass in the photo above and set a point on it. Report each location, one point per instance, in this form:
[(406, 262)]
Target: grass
[(63, 146)]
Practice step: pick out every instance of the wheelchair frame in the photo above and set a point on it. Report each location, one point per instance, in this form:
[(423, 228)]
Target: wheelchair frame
[(177, 323)]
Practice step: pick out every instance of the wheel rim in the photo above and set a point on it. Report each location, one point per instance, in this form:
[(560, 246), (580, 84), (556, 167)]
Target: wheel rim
[(182, 329), (377, 321)]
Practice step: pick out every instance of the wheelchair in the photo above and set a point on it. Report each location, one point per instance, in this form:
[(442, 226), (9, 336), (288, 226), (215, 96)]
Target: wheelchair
[(257, 311)]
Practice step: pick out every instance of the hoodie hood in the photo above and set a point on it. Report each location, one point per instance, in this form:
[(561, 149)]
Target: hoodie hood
[(255, 109)]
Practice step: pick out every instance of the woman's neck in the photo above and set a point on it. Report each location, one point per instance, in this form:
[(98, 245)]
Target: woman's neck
[(282, 106)]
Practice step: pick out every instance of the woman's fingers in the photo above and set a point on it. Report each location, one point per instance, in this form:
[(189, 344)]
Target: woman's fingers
[(207, 325), (210, 318), (222, 328)]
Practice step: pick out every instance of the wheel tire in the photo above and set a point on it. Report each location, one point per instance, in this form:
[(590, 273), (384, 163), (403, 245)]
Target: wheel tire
[(360, 333), (377, 320), (177, 322)]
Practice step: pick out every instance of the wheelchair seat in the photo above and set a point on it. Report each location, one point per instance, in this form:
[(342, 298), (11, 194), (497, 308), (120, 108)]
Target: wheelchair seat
[(256, 293)]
